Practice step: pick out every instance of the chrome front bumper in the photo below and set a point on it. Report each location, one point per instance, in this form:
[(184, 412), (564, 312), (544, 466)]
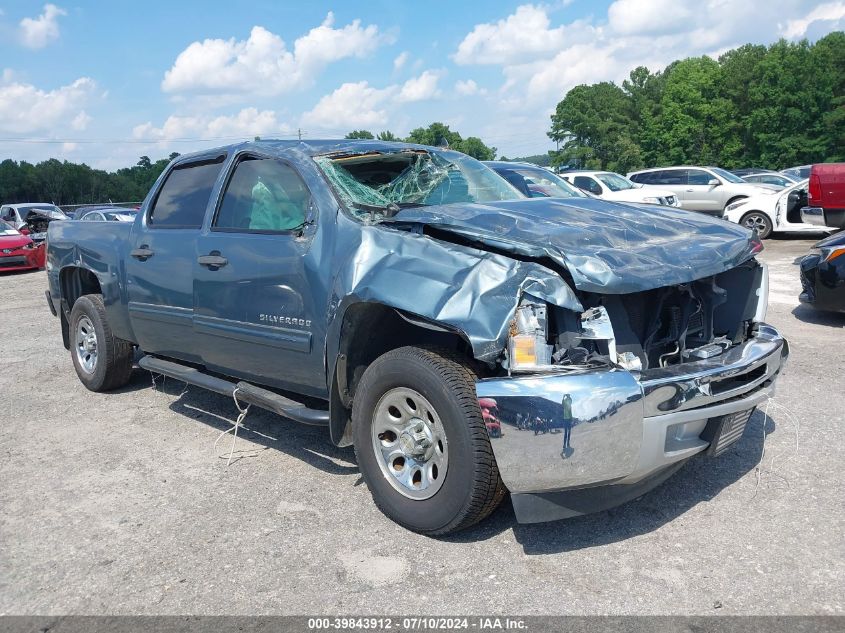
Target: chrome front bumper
[(625, 427)]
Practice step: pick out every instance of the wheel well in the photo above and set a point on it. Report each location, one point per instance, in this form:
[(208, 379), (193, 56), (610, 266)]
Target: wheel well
[(75, 282), (368, 331), (734, 199)]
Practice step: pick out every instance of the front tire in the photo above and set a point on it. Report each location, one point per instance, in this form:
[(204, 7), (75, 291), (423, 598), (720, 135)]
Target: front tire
[(759, 222), (421, 442), (102, 361)]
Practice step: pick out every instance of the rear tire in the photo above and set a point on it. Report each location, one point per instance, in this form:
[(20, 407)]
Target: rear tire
[(759, 222), (102, 361), (442, 414)]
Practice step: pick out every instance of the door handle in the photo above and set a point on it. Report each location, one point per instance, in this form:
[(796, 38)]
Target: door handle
[(143, 253), (690, 190), (213, 260)]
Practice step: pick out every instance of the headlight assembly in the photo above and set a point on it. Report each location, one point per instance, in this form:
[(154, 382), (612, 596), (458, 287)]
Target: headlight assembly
[(527, 347)]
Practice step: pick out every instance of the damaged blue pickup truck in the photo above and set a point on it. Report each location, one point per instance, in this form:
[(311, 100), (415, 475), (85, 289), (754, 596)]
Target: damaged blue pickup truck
[(468, 341)]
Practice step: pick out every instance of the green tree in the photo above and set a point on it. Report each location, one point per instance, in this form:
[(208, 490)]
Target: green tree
[(475, 147), (694, 115), (590, 123), (437, 134), (387, 135), (360, 134)]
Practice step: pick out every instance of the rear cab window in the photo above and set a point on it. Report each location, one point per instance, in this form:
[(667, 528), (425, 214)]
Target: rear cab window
[(182, 200)]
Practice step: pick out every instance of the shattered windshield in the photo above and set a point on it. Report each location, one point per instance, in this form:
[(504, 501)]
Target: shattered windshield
[(387, 181)]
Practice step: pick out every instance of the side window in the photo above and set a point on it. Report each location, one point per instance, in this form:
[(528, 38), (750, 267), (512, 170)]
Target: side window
[(263, 195), (698, 177), (670, 177), (181, 201), (7, 213), (587, 184), (641, 178)]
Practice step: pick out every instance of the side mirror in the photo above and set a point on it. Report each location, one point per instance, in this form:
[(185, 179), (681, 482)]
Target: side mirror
[(714, 182), (23, 231)]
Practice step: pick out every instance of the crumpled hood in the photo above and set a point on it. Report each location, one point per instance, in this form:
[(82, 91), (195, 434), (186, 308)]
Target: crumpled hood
[(607, 247)]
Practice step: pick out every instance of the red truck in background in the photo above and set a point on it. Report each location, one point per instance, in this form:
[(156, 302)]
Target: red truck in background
[(826, 196)]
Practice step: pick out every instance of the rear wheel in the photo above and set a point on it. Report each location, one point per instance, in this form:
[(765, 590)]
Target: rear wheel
[(102, 361), (421, 442), (759, 222)]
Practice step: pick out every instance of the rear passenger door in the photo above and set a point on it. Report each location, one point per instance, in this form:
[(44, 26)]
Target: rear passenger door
[(254, 302), (160, 266)]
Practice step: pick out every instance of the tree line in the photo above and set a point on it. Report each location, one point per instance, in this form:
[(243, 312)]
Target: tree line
[(756, 106), (66, 183), (437, 135)]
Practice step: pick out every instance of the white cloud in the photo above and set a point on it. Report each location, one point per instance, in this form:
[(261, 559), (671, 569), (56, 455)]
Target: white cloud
[(645, 17), (351, 106), (25, 109), (523, 35), (80, 121), (830, 11), (400, 60), (262, 64), (40, 31), (420, 88), (358, 104), (467, 88), (247, 123)]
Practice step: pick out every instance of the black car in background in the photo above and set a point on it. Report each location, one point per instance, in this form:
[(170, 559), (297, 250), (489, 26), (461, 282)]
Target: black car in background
[(823, 274)]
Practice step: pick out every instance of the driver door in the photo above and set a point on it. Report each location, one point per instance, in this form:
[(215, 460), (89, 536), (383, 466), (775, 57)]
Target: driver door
[(254, 300)]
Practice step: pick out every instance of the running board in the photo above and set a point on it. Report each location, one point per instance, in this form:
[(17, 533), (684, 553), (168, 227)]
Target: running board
[(247, 393)]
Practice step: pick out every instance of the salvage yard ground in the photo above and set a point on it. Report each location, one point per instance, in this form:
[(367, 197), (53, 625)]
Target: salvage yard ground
[(116, 504)]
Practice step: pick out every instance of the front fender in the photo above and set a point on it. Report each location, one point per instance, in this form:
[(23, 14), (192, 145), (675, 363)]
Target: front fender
[(463, 289)]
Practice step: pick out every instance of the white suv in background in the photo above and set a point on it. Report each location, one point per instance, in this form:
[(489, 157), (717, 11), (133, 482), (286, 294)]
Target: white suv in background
[(706, 189), (612, 186)]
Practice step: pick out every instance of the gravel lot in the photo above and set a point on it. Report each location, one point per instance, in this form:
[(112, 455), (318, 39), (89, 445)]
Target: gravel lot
[(116, 504)]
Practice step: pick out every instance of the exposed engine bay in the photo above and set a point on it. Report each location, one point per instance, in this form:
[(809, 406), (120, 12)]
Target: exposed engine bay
[(37, 221), (643, 330)]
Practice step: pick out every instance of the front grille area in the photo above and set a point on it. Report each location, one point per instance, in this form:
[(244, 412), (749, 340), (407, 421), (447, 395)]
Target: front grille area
[(9, 262)]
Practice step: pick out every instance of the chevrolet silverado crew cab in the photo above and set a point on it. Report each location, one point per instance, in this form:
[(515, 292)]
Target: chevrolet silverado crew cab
[(382, 290)]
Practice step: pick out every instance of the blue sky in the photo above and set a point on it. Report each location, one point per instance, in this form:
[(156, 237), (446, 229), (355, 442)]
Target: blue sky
[(105, 82)]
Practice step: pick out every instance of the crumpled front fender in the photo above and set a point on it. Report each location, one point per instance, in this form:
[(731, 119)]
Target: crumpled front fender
[(468, 290)]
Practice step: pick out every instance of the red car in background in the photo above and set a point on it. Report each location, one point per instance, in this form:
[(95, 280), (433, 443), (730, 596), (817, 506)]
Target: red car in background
[(18, 251), (826, 196)]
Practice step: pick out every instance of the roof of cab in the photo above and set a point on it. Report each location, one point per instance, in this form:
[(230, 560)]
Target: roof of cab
[(310, 147)]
